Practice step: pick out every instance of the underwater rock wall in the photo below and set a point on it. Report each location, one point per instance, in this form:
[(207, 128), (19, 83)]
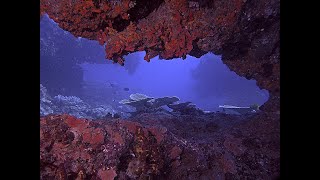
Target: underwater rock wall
[(245, 32)]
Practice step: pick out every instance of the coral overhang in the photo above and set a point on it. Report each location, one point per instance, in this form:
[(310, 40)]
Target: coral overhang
[(245, 32)]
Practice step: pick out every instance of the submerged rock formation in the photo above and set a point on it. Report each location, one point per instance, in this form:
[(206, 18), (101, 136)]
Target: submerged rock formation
[(186, 108), (215, 145), (145, 104), (212, 146), (245, 32)]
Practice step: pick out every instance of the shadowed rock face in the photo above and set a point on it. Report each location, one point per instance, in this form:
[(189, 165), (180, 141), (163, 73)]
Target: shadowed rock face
[(154, 146)]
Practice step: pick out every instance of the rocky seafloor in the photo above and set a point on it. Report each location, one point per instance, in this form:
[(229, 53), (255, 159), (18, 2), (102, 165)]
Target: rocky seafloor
[(161, 146)]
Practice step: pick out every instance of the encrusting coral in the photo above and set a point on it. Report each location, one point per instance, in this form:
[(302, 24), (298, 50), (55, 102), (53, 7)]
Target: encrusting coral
[(160, 147)]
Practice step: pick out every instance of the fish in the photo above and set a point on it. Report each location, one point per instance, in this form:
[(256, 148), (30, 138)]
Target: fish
[(126, 89)]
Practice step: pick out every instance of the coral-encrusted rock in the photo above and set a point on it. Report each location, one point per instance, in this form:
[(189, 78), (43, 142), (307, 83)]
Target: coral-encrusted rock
[(215, 146), (239, 147), (83, 146), (234, 145), (245, 32)]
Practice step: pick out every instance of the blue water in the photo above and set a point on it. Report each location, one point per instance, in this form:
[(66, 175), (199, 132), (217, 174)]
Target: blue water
[(68, 62)]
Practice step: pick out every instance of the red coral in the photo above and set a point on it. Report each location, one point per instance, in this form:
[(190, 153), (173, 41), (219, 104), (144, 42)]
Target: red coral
[(101, 37), (93, 136), (131, 126), (230, 14), (105, 174), (150, 54), (118, 139), (73, 122), (83, 18)]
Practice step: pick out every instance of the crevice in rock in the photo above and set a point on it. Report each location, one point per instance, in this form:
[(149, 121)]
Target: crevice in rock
[(140, 10), (143, 8)]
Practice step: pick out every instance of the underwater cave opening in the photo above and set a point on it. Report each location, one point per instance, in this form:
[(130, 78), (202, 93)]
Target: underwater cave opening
[(206, 81), (185, 118)]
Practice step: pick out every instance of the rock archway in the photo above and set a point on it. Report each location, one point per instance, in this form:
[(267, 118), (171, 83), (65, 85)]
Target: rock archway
[(245, 32), (218, 146)]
